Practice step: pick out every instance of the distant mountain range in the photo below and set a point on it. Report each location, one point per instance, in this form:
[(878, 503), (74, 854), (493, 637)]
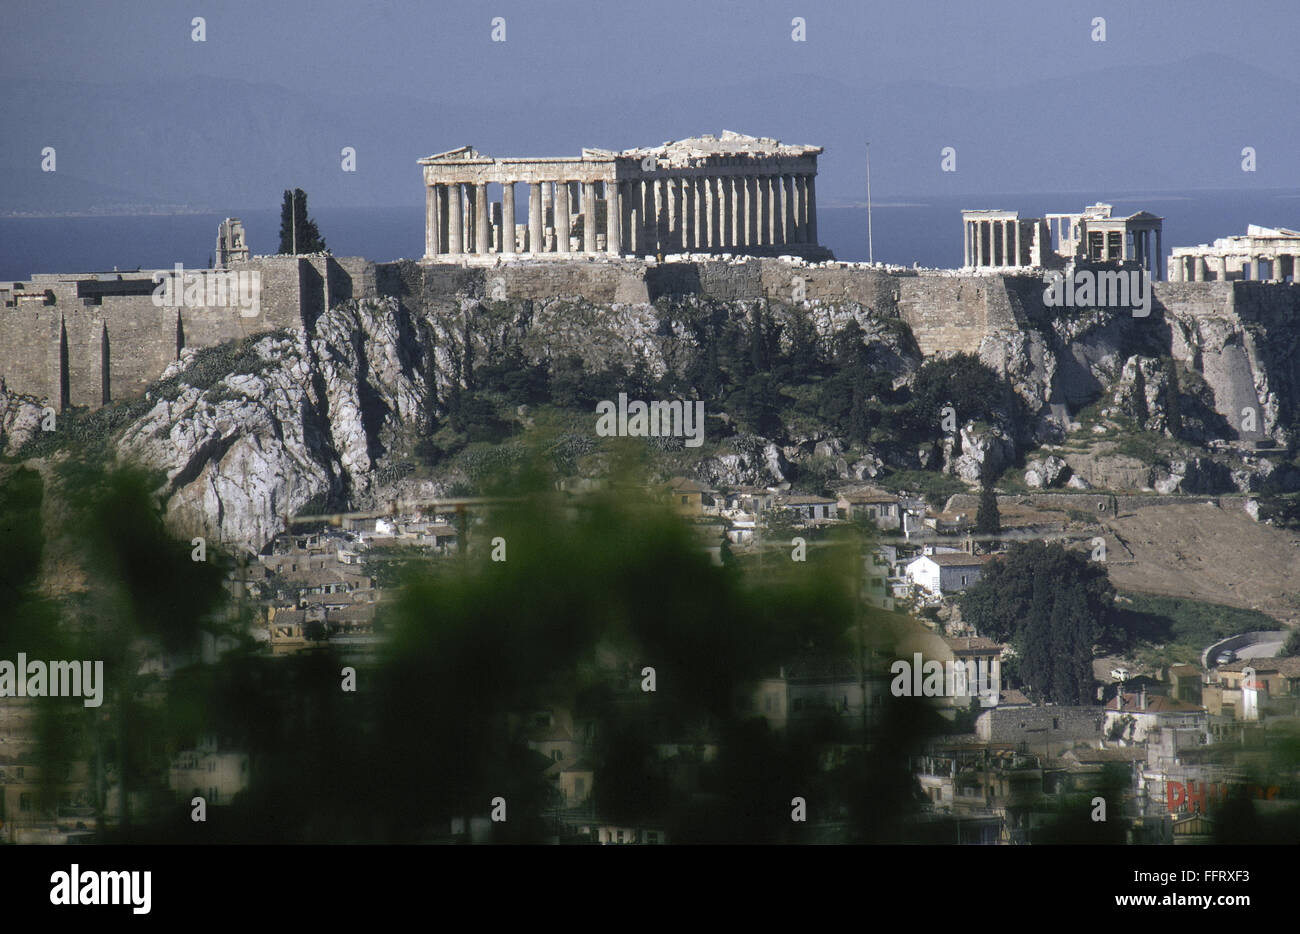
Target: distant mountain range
[(193, 144)]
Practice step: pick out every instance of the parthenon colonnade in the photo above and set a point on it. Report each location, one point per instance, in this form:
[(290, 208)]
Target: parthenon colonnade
[(1264, 253), (732, 193)]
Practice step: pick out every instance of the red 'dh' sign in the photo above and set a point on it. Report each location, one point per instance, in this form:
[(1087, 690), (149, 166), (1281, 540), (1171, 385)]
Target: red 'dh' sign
[(1196, 799)]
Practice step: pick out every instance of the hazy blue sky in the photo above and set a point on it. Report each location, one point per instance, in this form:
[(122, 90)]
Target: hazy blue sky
[(1019, 89), (562, 48)]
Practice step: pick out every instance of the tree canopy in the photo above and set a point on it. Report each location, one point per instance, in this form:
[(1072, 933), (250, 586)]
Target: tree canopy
[(298, 232), (1054, 606)]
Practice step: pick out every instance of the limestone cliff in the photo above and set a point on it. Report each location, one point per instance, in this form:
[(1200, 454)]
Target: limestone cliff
[(328, 414)]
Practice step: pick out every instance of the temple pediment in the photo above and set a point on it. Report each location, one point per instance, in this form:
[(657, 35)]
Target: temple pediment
[(462, 154)]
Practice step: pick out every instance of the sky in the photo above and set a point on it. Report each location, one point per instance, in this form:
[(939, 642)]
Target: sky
[(1021, 91), (555, 48)]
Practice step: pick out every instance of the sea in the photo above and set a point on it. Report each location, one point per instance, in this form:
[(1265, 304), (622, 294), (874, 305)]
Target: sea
[(906, 231)]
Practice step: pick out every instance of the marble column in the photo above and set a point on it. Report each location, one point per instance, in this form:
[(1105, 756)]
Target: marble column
[(753, 207), (688, 215), (430, 220), (562, 217), (743, 203), (672, 216), (787, 189), (589, 217), (482, 229), (700, 195), (730, 211), (659, 214), (548, 213), (649, 219), (467, 222), (719, 213), (535, 217), (799, 223), (454, 218), (812, 209), (613, 218), (1159, 258), (629, 194), (965, 244), (680, 243), (772, 227), (708, 214), (509, 243), (443, 225), (1016, 227)]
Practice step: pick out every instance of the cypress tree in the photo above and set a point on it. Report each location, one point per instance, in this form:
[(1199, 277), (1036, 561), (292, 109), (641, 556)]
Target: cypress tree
[(296, 228)]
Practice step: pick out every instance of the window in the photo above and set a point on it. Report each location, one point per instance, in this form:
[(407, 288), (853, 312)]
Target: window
[(579, 788), (24, 802), (685, 501), (19, 772), (1056, 723), (557, 755)]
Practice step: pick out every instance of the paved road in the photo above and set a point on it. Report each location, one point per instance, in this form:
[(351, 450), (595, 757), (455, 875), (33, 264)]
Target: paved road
[(1258, 645)]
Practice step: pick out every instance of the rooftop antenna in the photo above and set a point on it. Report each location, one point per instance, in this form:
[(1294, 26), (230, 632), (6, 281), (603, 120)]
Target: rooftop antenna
[(871, 253)]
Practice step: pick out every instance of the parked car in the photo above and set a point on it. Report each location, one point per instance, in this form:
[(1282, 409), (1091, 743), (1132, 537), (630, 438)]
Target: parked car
[(1119, 674), (1225, 657)]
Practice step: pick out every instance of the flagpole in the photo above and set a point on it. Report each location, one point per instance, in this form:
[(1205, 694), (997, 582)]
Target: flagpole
[(871, 253)]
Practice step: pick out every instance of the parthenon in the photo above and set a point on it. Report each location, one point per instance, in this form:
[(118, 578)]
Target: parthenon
[(726, 194), (1004, 240), (1263, 253)]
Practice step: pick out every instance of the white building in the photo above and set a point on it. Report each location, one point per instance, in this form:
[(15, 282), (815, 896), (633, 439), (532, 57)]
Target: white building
[(1130, 717), (942, 574)]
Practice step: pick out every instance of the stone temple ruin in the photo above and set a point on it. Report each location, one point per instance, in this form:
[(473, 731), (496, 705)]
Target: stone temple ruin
[(232, 246), (732, 194), (1238, 257), (1005, 241)]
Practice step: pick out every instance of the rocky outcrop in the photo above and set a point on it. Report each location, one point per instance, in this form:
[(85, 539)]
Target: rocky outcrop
[(323, 415), (1140, 393), (982, 447), (307, 426), (20, 419), (1049, 471)]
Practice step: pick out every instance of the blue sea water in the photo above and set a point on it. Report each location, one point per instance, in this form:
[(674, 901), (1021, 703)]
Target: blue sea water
[(904, 230)]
